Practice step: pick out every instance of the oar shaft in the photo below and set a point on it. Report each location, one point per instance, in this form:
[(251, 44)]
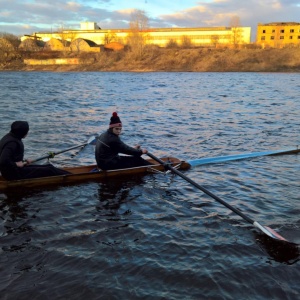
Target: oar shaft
[(51, 155), (69, 149), (201, 188)]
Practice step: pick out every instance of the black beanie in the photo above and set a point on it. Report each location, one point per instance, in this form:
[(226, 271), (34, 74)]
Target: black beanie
[(19, 128), (115, 121)]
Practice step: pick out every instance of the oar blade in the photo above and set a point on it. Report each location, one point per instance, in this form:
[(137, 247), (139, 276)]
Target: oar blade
[(270, 232), (221, 159), (92, 140)]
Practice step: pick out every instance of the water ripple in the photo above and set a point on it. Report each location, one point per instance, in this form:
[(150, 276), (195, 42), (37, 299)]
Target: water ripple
[(155, 237)]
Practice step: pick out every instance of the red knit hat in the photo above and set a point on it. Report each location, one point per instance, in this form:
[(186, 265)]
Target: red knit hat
[(115, 121)]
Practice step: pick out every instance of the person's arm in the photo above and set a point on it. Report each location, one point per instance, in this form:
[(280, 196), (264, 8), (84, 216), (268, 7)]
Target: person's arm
[(144, 151), (125, 149), (7, 156)]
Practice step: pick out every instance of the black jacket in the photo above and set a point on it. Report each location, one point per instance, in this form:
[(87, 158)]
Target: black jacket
[(108, 147), (11, 151)]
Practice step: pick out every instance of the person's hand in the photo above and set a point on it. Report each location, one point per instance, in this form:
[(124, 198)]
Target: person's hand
[(144, 151), (21, 163)]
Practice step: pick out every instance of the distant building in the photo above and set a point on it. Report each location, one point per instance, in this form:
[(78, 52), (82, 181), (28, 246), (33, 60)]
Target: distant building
[(206, 37), (89, 26), (278, 34)]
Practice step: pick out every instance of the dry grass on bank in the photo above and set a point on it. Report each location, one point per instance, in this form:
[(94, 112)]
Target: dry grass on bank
[(174, 60), (201, 60)]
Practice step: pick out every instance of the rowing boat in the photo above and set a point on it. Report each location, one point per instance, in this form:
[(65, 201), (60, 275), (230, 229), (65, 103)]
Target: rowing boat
[(90, 173)]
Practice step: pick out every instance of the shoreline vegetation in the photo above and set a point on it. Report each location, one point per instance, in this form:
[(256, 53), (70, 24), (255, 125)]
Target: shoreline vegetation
[(154, 59)]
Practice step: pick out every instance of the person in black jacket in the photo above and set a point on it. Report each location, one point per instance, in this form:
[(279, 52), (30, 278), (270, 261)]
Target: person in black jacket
[(109, 145), (12, 163)]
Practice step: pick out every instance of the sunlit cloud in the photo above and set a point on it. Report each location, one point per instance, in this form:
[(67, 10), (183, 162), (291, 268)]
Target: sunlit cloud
[(5, 14), (126, 11), (73, 6), (109, 14), (276, 5), (26, 26)]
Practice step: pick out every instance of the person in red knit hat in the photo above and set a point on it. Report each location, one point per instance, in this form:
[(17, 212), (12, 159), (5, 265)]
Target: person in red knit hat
[(109, 146)]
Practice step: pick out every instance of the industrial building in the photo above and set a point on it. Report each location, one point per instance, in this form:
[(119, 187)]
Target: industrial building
[(278, 34), (205, 36)]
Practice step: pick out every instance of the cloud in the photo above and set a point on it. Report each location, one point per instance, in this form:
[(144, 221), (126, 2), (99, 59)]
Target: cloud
[(73, 6), (219, 13), (26, 16)]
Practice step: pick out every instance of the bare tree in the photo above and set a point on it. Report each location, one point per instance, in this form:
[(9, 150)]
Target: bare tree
[(186, 42), (215, 40), (13, 39), (71, 35), (110, 37), (236, 29), (62, 35), (172, 44), (8, 47), (67, 36), (139, 20), (137, 37)]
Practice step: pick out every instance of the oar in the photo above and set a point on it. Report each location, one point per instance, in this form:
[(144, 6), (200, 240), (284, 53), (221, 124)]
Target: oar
[(266, 230), (53, 154), (220, 159)]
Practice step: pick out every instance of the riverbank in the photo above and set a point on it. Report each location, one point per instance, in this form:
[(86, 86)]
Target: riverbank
[(172, 60)]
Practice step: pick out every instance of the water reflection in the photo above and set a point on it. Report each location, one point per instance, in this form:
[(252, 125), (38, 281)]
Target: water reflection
[(13, 207), (113, 234), (15, 219), (113, 193)]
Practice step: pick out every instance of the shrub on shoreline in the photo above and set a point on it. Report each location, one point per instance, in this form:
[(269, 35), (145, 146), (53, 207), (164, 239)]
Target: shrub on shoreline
[(158, 59)]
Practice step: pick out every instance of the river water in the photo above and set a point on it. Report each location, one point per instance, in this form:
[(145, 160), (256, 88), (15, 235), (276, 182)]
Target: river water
[(155, 237)]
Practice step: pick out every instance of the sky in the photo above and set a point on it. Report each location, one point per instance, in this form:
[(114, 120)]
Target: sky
[(21, 17)]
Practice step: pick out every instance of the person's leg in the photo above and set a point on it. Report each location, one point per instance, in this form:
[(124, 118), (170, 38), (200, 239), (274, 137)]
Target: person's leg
[(139, 161), (36, 171), (124, 162)]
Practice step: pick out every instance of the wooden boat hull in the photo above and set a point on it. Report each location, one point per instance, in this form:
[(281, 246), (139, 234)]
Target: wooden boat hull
[(88, 173)]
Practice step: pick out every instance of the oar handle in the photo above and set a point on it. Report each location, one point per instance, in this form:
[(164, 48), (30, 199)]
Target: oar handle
[(201, 188)]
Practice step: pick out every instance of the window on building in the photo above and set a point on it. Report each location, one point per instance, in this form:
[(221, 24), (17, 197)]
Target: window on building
[(282, 31), (264, 31), (281, 37), (291, 37), (273, 30), (298, 37), (272, 37), (292, 30), (263, 38)]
